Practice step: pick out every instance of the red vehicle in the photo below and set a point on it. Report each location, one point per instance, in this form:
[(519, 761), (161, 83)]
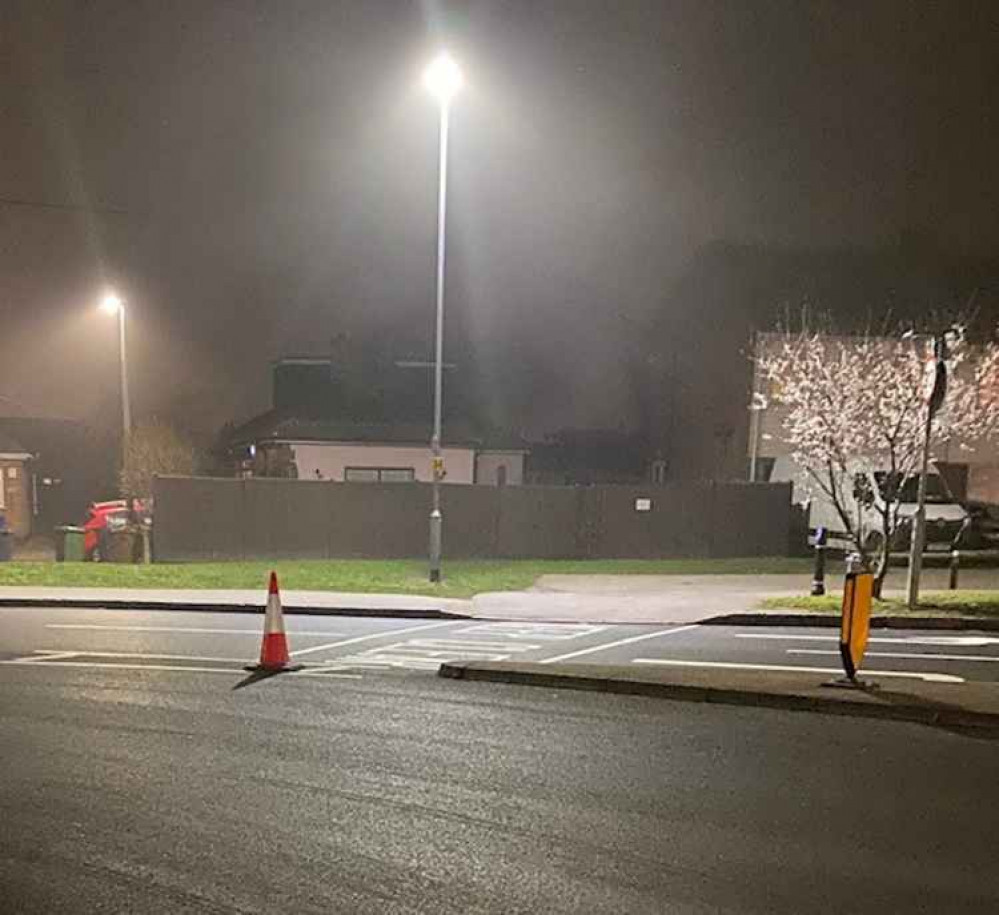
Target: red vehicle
[(104, 517)]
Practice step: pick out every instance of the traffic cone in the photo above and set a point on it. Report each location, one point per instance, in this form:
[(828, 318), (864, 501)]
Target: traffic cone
[(274, 647)]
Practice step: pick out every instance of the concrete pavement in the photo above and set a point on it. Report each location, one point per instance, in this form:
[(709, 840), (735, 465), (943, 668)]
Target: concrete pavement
[(652, 599), (215, 599)]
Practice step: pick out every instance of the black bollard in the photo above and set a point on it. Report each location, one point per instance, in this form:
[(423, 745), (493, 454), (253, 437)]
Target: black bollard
[(955, 564), (819, 575)]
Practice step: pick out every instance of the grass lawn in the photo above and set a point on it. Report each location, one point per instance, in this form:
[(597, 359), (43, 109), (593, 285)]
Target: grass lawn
[(933, 603), (462, 578)]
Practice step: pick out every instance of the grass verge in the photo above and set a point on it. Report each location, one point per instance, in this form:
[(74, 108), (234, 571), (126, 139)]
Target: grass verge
[(981, 604), (463, 578)]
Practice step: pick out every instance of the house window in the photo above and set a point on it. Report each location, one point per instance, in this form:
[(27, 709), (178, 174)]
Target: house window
[(379, 474)]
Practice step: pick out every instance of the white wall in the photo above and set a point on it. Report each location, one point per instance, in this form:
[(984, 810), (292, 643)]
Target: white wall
[(488, 463), (332, 458)]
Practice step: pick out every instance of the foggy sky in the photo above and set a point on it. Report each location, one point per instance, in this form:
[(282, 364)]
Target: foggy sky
[(264, 177)]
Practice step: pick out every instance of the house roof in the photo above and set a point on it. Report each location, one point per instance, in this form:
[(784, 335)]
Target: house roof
[(10, 447), (277, 425)]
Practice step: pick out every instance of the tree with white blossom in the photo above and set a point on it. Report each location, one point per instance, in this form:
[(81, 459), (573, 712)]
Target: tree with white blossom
[(856, 405)]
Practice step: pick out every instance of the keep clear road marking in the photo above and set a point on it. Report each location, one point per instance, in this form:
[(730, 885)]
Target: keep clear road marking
[(97, 628), (913, 656), (373, 635), (606, 645), (543, 631), (945, 641), (732, 665)]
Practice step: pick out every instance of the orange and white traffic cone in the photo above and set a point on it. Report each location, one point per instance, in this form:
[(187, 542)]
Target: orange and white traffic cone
[(274, 647)]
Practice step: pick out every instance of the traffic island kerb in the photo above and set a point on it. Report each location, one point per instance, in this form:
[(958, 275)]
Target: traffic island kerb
[(971, 707)]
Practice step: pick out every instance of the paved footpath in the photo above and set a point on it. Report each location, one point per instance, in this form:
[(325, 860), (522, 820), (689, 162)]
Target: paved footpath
[(651, 599)]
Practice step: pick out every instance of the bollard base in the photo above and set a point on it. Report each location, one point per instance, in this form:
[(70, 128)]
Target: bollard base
[(852, 683), (818, 589)]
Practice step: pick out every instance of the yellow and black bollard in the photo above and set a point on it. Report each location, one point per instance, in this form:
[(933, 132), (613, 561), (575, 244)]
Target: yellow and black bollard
[(855, 626)]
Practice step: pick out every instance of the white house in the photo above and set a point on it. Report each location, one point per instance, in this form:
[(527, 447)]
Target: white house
[(320, 450)]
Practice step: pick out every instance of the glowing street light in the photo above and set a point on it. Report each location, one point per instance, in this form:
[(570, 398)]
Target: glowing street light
[(111, 304), (443, 79)]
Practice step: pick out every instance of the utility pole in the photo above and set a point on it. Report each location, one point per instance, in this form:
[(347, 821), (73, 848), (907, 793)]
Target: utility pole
[(918, 536)]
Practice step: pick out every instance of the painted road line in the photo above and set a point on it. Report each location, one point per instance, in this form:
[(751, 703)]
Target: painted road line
[(98, 628), (49, 654), (606, 645), (945, 641), (543, 631), (912, 656), (374, 635), (418, 654), (732, 665), (139, 654), (98, 665), (471, 644)]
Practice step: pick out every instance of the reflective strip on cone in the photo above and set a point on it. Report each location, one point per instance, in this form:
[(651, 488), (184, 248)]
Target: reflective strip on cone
[(274, 648)]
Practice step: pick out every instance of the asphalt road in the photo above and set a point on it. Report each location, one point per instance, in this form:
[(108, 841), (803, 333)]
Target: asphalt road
[(349, 647), (138, 784)]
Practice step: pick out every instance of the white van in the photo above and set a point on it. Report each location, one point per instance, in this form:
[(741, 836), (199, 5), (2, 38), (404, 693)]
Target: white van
[(944, 516)]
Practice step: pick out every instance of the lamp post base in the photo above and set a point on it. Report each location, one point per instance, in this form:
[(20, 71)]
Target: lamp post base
[(436, 522)]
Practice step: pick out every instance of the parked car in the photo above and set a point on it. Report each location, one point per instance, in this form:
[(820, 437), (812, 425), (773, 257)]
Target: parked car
[(945, 518), (982, 531), (104, 518)]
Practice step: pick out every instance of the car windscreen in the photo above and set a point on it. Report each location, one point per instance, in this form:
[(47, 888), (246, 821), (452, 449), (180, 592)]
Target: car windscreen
[(936, 489)]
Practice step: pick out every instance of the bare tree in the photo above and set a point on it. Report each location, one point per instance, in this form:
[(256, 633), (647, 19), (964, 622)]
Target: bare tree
[(856, 405), (155, 448)]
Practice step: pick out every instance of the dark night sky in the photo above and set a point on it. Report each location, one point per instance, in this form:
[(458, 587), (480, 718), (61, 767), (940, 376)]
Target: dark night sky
[(276, 164)]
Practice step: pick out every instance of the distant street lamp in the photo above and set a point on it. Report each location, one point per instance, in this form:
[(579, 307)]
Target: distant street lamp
[(756, 408), (112, 304), (443, 79)]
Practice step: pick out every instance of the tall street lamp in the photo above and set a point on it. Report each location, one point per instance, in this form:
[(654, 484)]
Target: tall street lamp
[(112, 304), (443, 79)]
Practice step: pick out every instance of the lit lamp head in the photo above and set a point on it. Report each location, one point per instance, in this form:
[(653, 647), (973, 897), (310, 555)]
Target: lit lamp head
[(443, 78), (111, 303)]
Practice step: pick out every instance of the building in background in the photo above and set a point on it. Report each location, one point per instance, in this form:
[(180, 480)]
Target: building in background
[(15, 486), (692, 373), (67, 468), (359, 424), (970, 470)]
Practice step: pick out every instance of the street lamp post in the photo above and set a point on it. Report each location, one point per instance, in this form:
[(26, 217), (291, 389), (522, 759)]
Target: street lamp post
[(442, 79), (756, 408), (112, 304), (934, 400)]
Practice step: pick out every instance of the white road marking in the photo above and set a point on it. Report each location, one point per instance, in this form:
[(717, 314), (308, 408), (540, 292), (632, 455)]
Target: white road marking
[(256, 632), (909, 655), (49, 654), (968, 641), (471, 644), (731, 665), (97, 665), (140, 654), (543, 631), (374, 635), (606, 645), (418, 654)]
